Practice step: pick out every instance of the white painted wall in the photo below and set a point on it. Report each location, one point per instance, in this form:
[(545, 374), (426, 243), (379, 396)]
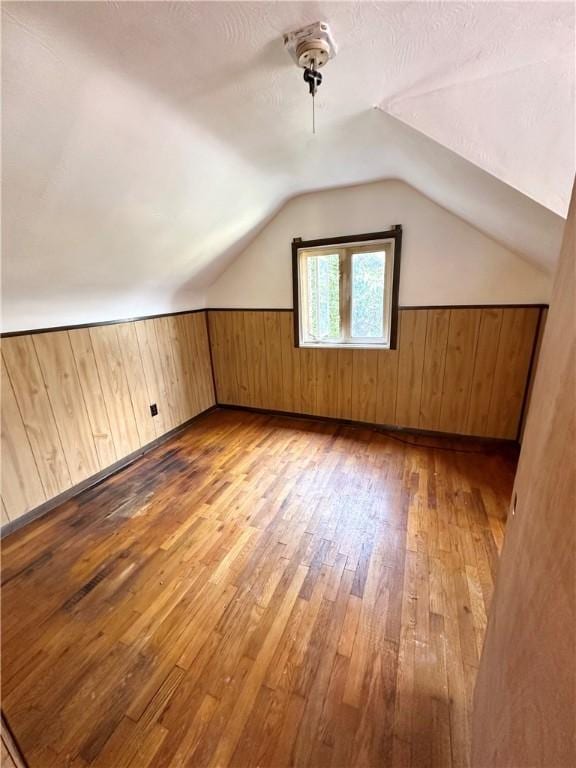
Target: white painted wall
[(136, 164), (444, 259)]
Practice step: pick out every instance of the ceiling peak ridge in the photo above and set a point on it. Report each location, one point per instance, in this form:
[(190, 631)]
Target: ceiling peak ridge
[(408, 95)]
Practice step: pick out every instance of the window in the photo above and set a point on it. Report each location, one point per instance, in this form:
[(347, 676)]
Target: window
[(346, 290)]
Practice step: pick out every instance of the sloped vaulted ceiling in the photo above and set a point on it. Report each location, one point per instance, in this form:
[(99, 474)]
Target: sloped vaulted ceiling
[(144, 144)]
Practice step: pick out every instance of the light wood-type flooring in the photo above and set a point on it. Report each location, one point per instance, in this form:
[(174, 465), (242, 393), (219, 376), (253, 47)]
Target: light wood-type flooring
[(258, 591)]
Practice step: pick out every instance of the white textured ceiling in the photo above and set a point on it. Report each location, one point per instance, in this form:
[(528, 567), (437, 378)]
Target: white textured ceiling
[(145, 143)]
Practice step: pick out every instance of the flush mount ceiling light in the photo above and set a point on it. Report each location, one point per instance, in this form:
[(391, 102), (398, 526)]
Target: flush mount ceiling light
[(310, 48)]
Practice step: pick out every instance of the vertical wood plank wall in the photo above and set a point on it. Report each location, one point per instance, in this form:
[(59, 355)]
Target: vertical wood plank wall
[(74, 402), (525, 696), (459, 370)]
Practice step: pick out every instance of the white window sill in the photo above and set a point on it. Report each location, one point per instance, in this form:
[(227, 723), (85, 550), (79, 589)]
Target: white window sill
[(359, 345)]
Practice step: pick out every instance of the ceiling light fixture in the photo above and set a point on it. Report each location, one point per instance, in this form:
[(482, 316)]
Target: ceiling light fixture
[(311, 47)]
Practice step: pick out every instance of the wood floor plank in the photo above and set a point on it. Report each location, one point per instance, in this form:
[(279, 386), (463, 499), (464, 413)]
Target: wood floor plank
[(258, 591)]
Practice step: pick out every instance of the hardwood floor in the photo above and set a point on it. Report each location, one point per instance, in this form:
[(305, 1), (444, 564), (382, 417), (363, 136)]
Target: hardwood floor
[(259, 591)]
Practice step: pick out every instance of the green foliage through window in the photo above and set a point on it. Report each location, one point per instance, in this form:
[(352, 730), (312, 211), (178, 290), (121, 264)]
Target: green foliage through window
[(347, 294), (368, 294), (324, 296)]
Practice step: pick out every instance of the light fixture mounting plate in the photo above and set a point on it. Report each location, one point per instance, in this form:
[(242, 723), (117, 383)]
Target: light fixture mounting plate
[(312, 44)]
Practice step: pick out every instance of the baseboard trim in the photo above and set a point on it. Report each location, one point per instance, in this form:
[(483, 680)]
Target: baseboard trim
[(99, 477), (372, 425)]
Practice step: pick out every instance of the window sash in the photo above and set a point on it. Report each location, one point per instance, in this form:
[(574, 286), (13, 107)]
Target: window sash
[(304, 269), (346, 254)]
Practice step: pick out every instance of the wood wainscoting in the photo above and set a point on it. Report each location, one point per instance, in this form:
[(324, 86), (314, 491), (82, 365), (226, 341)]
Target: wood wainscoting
[(77, 401), (459, 370)]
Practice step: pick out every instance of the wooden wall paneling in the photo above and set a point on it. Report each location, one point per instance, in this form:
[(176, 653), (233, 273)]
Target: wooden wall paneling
[(440, 378), (344, 384), (437, 326), (534, 367), (171, 379), (60, 376), (217, 329), (246, 359), (154, 374), (308, 379), (191, 363), (273, 353), (195, 328), (22, 488), (411, 345), (260, 358), (224, 372), (513, 361), (10, 754), (137, 383), (239, 356), (171, 372), (258, 389), (115, 388), (5, 758), (198, 322), (251, 364), (182, 364), (386, 391), (323, 379), (458, 369), (233, 362), (525, 697), (483, 375), (75, 402), (291, 400), (93, 396), (192, 368), (5, 519), (364, 384), (80, 398), (30, 392), (327, 376)]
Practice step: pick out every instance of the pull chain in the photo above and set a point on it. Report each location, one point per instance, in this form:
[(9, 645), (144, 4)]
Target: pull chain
[(313, 114), (314, 79)]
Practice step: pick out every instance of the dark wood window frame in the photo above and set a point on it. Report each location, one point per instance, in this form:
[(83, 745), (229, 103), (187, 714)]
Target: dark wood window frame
[(391, 234)]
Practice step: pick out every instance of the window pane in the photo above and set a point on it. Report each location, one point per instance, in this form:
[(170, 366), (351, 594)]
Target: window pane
[(323, 273), (368, 294)]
